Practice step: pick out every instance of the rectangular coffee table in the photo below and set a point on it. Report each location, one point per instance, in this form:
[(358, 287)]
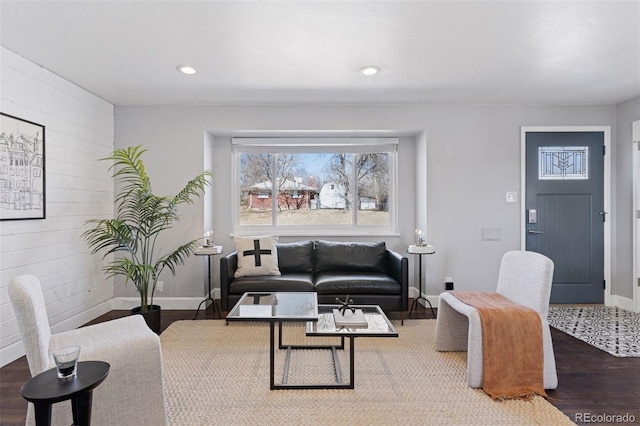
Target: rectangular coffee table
[(279, 307), (378, 325), (275, 308)]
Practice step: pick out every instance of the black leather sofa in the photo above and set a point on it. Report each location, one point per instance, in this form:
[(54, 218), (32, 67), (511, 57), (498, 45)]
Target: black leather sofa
[(367, 272)]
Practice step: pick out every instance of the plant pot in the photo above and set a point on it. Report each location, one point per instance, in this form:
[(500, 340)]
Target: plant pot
[(151, 317)]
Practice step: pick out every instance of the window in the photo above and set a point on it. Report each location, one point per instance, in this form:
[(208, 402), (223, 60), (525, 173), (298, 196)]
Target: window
[(563, 163), (321, 186)]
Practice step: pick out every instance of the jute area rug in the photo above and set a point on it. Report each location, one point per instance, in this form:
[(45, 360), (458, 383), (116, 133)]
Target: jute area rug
[(611, 329), (217, 374)]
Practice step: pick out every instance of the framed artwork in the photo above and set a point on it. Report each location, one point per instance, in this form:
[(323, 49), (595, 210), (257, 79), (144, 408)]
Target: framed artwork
[(22, 171)]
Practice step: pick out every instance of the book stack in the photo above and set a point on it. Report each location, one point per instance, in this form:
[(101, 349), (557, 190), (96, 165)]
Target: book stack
[(209, 250), (350, 319), (427, 249)]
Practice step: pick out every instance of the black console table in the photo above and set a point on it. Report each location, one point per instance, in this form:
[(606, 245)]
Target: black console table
[(46, 389)]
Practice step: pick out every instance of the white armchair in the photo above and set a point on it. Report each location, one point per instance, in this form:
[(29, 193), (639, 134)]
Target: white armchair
[(525, 278), (133, 393)]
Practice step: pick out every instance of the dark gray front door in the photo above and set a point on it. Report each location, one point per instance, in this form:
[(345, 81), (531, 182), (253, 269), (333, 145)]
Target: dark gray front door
[(564, 214)]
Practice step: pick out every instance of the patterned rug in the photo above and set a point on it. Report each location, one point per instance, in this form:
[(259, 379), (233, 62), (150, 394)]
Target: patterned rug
[(611, 329), (219, 375)]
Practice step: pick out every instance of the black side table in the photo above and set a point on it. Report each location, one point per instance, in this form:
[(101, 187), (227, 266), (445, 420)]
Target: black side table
[(415, 301), (202, 251), (46, 389)]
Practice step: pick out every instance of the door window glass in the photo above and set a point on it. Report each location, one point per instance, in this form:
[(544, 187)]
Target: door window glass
[(563, 162)]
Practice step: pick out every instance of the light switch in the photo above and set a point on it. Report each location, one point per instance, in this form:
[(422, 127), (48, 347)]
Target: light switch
[(512, 197)]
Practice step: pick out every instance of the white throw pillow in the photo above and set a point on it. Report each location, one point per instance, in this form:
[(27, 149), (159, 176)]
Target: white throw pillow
[(257, 256)]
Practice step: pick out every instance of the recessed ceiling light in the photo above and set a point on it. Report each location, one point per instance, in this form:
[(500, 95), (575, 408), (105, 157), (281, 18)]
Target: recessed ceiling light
[(370, 70), (186, 69)]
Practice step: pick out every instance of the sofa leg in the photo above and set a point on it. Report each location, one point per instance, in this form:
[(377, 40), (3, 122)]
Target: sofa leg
[(401, 317)]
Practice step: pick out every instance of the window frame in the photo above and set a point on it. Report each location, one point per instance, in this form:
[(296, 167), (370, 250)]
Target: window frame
[(308, 145)]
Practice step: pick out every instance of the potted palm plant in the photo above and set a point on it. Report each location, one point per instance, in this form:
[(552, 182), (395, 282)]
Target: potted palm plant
[(131, 236)]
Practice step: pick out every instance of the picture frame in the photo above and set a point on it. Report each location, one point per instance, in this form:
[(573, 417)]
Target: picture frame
[(22, 169)]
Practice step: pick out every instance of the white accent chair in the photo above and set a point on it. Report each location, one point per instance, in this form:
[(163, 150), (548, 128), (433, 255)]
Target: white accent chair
[(525, 278), (132, 393)]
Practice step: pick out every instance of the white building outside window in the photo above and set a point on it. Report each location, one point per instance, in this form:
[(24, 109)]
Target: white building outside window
[(315, 186)]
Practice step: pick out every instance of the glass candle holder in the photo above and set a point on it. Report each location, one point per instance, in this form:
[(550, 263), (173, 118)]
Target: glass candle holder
[(208, 238)]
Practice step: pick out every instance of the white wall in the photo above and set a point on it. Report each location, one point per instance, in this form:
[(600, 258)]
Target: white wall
[(622, 199), (79, 130), (473, 159)]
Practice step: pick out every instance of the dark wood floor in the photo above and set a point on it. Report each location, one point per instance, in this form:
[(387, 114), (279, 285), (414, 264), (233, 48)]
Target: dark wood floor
[(592, 382)]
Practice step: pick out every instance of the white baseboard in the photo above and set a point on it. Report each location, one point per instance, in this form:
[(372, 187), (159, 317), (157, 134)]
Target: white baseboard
[(413, 293), (10, 353), (174, 303), (15, 350), (621, 302), (82, 318)]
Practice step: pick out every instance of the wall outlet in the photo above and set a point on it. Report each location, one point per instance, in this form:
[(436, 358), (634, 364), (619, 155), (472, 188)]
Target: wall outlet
[(448, 283), (160, 286)]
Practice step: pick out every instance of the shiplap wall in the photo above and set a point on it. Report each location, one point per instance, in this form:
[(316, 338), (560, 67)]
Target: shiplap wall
[(79, 130)]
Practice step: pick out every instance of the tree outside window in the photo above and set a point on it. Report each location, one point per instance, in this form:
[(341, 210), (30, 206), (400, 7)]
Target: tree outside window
[(314, 188)]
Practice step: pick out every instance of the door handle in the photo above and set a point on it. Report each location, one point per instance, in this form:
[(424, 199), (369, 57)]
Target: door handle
[(534, 232), (604, 216)]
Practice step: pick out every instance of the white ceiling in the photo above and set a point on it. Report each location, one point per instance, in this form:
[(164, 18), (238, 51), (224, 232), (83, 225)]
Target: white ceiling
[(275, 52)]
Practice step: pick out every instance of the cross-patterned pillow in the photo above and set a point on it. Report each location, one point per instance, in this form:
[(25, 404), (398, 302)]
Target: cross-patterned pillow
[(257, 256)]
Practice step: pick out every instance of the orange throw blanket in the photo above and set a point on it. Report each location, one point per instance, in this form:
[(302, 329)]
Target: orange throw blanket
[(512, 354)]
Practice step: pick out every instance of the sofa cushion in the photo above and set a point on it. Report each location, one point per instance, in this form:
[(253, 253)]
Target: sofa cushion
[(295, 257), (257, 256), (356, 283), (284, 282), (351, 256)]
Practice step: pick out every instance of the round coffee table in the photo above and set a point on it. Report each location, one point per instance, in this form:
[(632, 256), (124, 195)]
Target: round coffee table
[(46, 389)]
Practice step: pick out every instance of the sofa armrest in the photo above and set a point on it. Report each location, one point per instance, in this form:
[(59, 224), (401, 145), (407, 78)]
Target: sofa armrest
[(228, 266), (399, 270)]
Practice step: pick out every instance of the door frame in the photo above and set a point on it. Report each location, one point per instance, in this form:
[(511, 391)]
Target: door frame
[(635, 148), (606, 130)]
